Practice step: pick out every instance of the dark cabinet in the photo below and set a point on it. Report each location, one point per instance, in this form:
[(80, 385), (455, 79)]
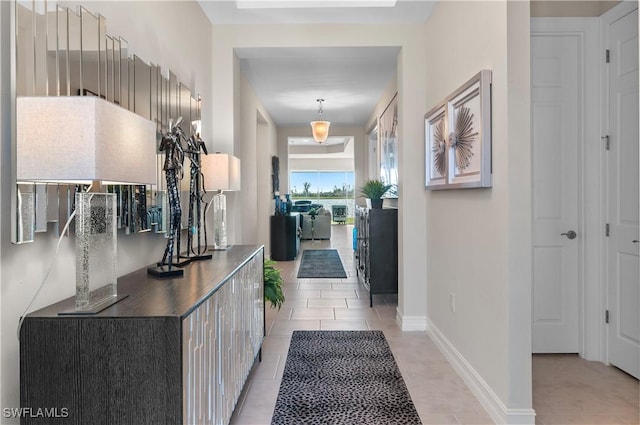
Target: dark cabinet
[(377, 250), (285, 238), (175, 351)]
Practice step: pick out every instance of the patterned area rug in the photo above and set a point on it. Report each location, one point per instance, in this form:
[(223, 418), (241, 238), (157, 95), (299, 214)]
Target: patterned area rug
[(342, 377), (321, 263)]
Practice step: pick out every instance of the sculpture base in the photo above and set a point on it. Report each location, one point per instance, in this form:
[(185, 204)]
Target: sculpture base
[(162, 272), (198, 257), (179, 262), (94, 309)]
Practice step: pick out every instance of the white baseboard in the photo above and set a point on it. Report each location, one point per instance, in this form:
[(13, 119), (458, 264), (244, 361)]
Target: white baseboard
[(498, 411), (411, 323)]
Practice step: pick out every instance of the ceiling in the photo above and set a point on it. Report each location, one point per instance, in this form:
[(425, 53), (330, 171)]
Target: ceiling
[(351, 80)]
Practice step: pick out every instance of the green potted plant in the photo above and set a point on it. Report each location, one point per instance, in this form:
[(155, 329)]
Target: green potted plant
[(374, 190), (273, 284)]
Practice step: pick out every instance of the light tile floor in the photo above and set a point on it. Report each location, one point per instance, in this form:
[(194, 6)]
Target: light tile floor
[(439, 394), (571, 390)]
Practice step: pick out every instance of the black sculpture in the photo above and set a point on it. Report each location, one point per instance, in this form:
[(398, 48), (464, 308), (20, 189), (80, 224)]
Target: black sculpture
[(171, 145), (196, 146)]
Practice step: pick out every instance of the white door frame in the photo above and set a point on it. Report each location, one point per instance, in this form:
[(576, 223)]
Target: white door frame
[(590, 291)]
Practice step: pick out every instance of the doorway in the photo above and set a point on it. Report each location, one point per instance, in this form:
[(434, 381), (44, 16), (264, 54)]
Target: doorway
[(585, 208)]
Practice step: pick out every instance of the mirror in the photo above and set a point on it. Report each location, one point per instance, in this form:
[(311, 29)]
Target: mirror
[(74, 56), (59, 52), (89, 60), (124, 73), (155, 103), (40, 207), (62, 52), (142, 87), (110, 77), (52, 53), (53, 206), (26, 213), (102, 57), (173, 96), (25, 48), (116, 71), (40, 48), (185, 109)]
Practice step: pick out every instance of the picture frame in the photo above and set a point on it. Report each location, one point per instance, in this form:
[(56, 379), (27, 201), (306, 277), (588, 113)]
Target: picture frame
[(465, 118), (388, 147), (436, 146)]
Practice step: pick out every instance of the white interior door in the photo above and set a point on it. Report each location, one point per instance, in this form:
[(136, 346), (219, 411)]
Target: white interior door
[(556, 123), (623, 210)]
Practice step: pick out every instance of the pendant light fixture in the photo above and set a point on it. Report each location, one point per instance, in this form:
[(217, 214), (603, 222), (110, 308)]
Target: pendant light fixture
[(320, 128)]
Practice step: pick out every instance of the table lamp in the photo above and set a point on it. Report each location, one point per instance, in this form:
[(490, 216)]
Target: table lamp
[(222, 173), (82, 140)]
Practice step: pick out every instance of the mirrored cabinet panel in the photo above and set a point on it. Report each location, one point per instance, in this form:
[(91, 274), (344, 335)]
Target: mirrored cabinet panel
[(60, 51)]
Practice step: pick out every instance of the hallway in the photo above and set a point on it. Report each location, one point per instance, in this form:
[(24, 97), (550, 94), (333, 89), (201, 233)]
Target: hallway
[(440, 396), (566, 389)]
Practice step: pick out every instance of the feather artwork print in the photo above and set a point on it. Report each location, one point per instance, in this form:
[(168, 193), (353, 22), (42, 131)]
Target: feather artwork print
[(439, 148), (463, 137)]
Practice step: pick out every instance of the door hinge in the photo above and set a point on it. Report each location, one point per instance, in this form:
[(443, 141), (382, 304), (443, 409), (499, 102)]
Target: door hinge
[(606, 316), (607, 232), (607, 56), (607, 143)]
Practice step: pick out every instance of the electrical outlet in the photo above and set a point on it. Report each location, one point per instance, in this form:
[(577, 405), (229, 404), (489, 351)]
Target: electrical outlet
[(452, 301)]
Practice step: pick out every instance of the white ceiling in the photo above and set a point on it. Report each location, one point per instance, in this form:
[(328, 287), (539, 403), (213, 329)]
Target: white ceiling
[(289, 80)]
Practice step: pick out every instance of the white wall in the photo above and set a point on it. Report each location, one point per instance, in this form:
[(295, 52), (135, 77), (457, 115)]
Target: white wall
[(256, 143), (157, 33), (479, 239)]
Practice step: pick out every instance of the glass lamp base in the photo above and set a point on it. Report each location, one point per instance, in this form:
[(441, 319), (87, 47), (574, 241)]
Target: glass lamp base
[(96, 280), (219, 222)]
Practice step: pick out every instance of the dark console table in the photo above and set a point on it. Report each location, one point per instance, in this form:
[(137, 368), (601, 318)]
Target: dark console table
[(377, 250), (175, 351), (285, 239)]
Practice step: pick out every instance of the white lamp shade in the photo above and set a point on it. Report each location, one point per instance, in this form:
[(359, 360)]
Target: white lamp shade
[(320, 130), (83, 138), (221, 171)]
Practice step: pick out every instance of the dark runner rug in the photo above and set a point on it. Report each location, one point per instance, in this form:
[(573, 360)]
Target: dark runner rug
[(342, 377), (321, 263)]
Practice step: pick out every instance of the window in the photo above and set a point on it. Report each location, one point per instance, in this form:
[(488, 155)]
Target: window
[(326, 188)]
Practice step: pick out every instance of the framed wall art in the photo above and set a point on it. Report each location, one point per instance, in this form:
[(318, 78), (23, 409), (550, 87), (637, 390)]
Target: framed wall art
[(436, 146), (388, 133), (458, 137)]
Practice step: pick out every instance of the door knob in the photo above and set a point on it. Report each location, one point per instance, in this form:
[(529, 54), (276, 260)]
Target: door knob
[(636, 241), (570, 234)]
